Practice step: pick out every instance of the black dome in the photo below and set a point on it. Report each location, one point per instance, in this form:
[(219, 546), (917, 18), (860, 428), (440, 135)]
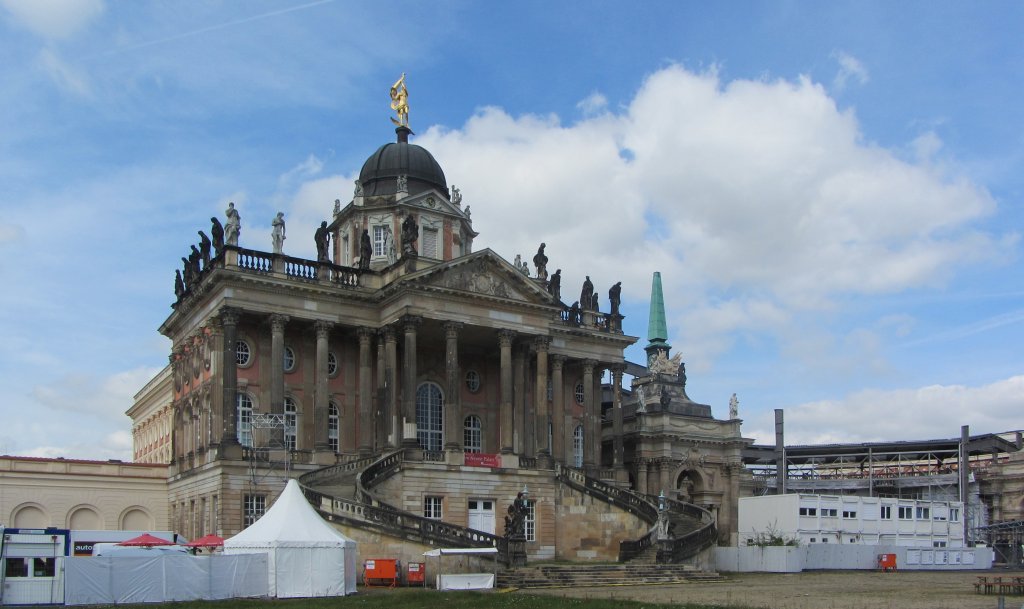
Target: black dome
[(379, 175)]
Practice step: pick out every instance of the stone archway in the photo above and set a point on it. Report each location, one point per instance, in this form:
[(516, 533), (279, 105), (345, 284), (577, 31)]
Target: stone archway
[(689, 483)]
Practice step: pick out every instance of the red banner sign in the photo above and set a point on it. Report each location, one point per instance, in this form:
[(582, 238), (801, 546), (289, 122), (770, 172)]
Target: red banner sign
[(483, 460)]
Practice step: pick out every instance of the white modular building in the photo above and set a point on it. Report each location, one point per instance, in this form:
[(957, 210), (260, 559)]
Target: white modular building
[(847, 519)]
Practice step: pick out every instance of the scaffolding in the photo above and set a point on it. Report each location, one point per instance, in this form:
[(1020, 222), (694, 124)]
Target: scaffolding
[(269, 456), (1006, 539)]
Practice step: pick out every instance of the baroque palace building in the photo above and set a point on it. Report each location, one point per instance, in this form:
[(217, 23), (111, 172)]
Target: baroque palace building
[(402, 371), (418, 388)]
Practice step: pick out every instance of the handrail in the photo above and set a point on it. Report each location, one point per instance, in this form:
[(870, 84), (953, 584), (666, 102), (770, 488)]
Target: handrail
[(368, 510), (683, 547)]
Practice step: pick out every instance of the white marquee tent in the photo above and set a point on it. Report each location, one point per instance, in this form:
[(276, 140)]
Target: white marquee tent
[(306, 556)]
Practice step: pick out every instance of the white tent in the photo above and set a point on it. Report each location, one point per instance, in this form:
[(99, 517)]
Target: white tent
[(306, 556)]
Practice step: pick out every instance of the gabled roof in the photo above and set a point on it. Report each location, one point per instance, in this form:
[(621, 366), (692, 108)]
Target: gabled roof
[(483, 273)]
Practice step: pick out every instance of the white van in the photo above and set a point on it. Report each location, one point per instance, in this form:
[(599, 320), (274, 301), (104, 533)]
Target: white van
[(112, 549)]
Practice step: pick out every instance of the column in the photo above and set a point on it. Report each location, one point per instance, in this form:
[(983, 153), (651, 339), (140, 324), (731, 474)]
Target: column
[(505, 344), (390, 393), (453, 392), (215, 430), (520, 402), (665, 476), (540, 392), (229, 375), (588, 414), (641, 477), (321, 395), (618, 449), (365, 393), (277, 324), (598, 420), (411, 322), (380, 421), (558, 409)]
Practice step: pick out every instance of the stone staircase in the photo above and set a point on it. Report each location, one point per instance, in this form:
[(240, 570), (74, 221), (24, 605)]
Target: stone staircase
[(633, 573)]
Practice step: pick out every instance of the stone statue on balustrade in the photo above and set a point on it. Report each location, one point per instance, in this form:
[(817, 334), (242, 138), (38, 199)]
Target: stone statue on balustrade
[(555, 285), (194, 260), (322, 237), (734, 407), (540, 260), (277, 232), (615, 297), (389, 245), (179, 285), (217, 235), (410, 235), (574, 313), (587, 295), (204, 249), (234, 225), (186, 273), (365, 251)]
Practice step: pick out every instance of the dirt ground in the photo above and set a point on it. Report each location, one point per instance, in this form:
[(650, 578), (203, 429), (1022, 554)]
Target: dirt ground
[(819, 590)]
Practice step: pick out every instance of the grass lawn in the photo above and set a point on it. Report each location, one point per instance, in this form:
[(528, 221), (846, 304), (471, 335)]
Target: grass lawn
[(425, 599)]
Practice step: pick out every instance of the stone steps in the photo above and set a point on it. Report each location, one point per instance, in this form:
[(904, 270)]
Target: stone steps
[(628, 574)]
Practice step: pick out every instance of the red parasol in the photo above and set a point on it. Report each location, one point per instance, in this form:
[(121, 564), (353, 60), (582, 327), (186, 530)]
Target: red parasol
[(146, 540), (206, 541)]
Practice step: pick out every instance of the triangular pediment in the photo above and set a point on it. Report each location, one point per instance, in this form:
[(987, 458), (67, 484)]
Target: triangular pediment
[(485, 273), (432, 200)]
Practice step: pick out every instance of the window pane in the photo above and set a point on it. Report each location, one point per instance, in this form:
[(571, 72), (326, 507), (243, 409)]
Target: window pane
[(429, 416)]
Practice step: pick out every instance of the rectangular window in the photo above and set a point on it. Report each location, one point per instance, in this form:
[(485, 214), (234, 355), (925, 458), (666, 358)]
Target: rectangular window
[(954, 514), (905, 512), (253, 508), (938, 544), (885, 512), (44, 567), (378, 240), (849, 514), (814, 540), (829, 512), (432, 507), (428, 246), (16, 567), (923, 513), (824, 540), (808, 511), (346, 255), (531, 521)]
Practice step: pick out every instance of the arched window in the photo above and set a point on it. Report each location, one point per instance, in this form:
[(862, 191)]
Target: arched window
[(332, 426), (289, 359), (244, 419), (332, 364), (577, 446), (472, 434), (429, 416), (291, 419), (578, 392)]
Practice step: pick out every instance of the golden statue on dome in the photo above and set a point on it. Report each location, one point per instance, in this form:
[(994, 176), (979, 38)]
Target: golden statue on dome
[(400, 102)]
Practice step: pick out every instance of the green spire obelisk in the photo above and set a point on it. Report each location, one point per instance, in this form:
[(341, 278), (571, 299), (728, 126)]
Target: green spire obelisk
[(657, 328)]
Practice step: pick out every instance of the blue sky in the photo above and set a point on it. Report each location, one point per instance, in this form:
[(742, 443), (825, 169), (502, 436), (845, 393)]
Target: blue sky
[(831, 191)]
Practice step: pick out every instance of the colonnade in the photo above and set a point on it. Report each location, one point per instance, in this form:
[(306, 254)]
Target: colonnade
[(525, 409)]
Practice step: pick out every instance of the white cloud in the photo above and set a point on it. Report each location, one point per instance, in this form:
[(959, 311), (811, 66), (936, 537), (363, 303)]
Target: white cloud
[(593, 104), (753, 187), (63, 74), (304, 170), (850, 68), (82, 393), (54, 19), (935, 411)]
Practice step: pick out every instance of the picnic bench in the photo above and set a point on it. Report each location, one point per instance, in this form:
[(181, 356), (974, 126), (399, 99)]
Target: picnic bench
[(999, 584)]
